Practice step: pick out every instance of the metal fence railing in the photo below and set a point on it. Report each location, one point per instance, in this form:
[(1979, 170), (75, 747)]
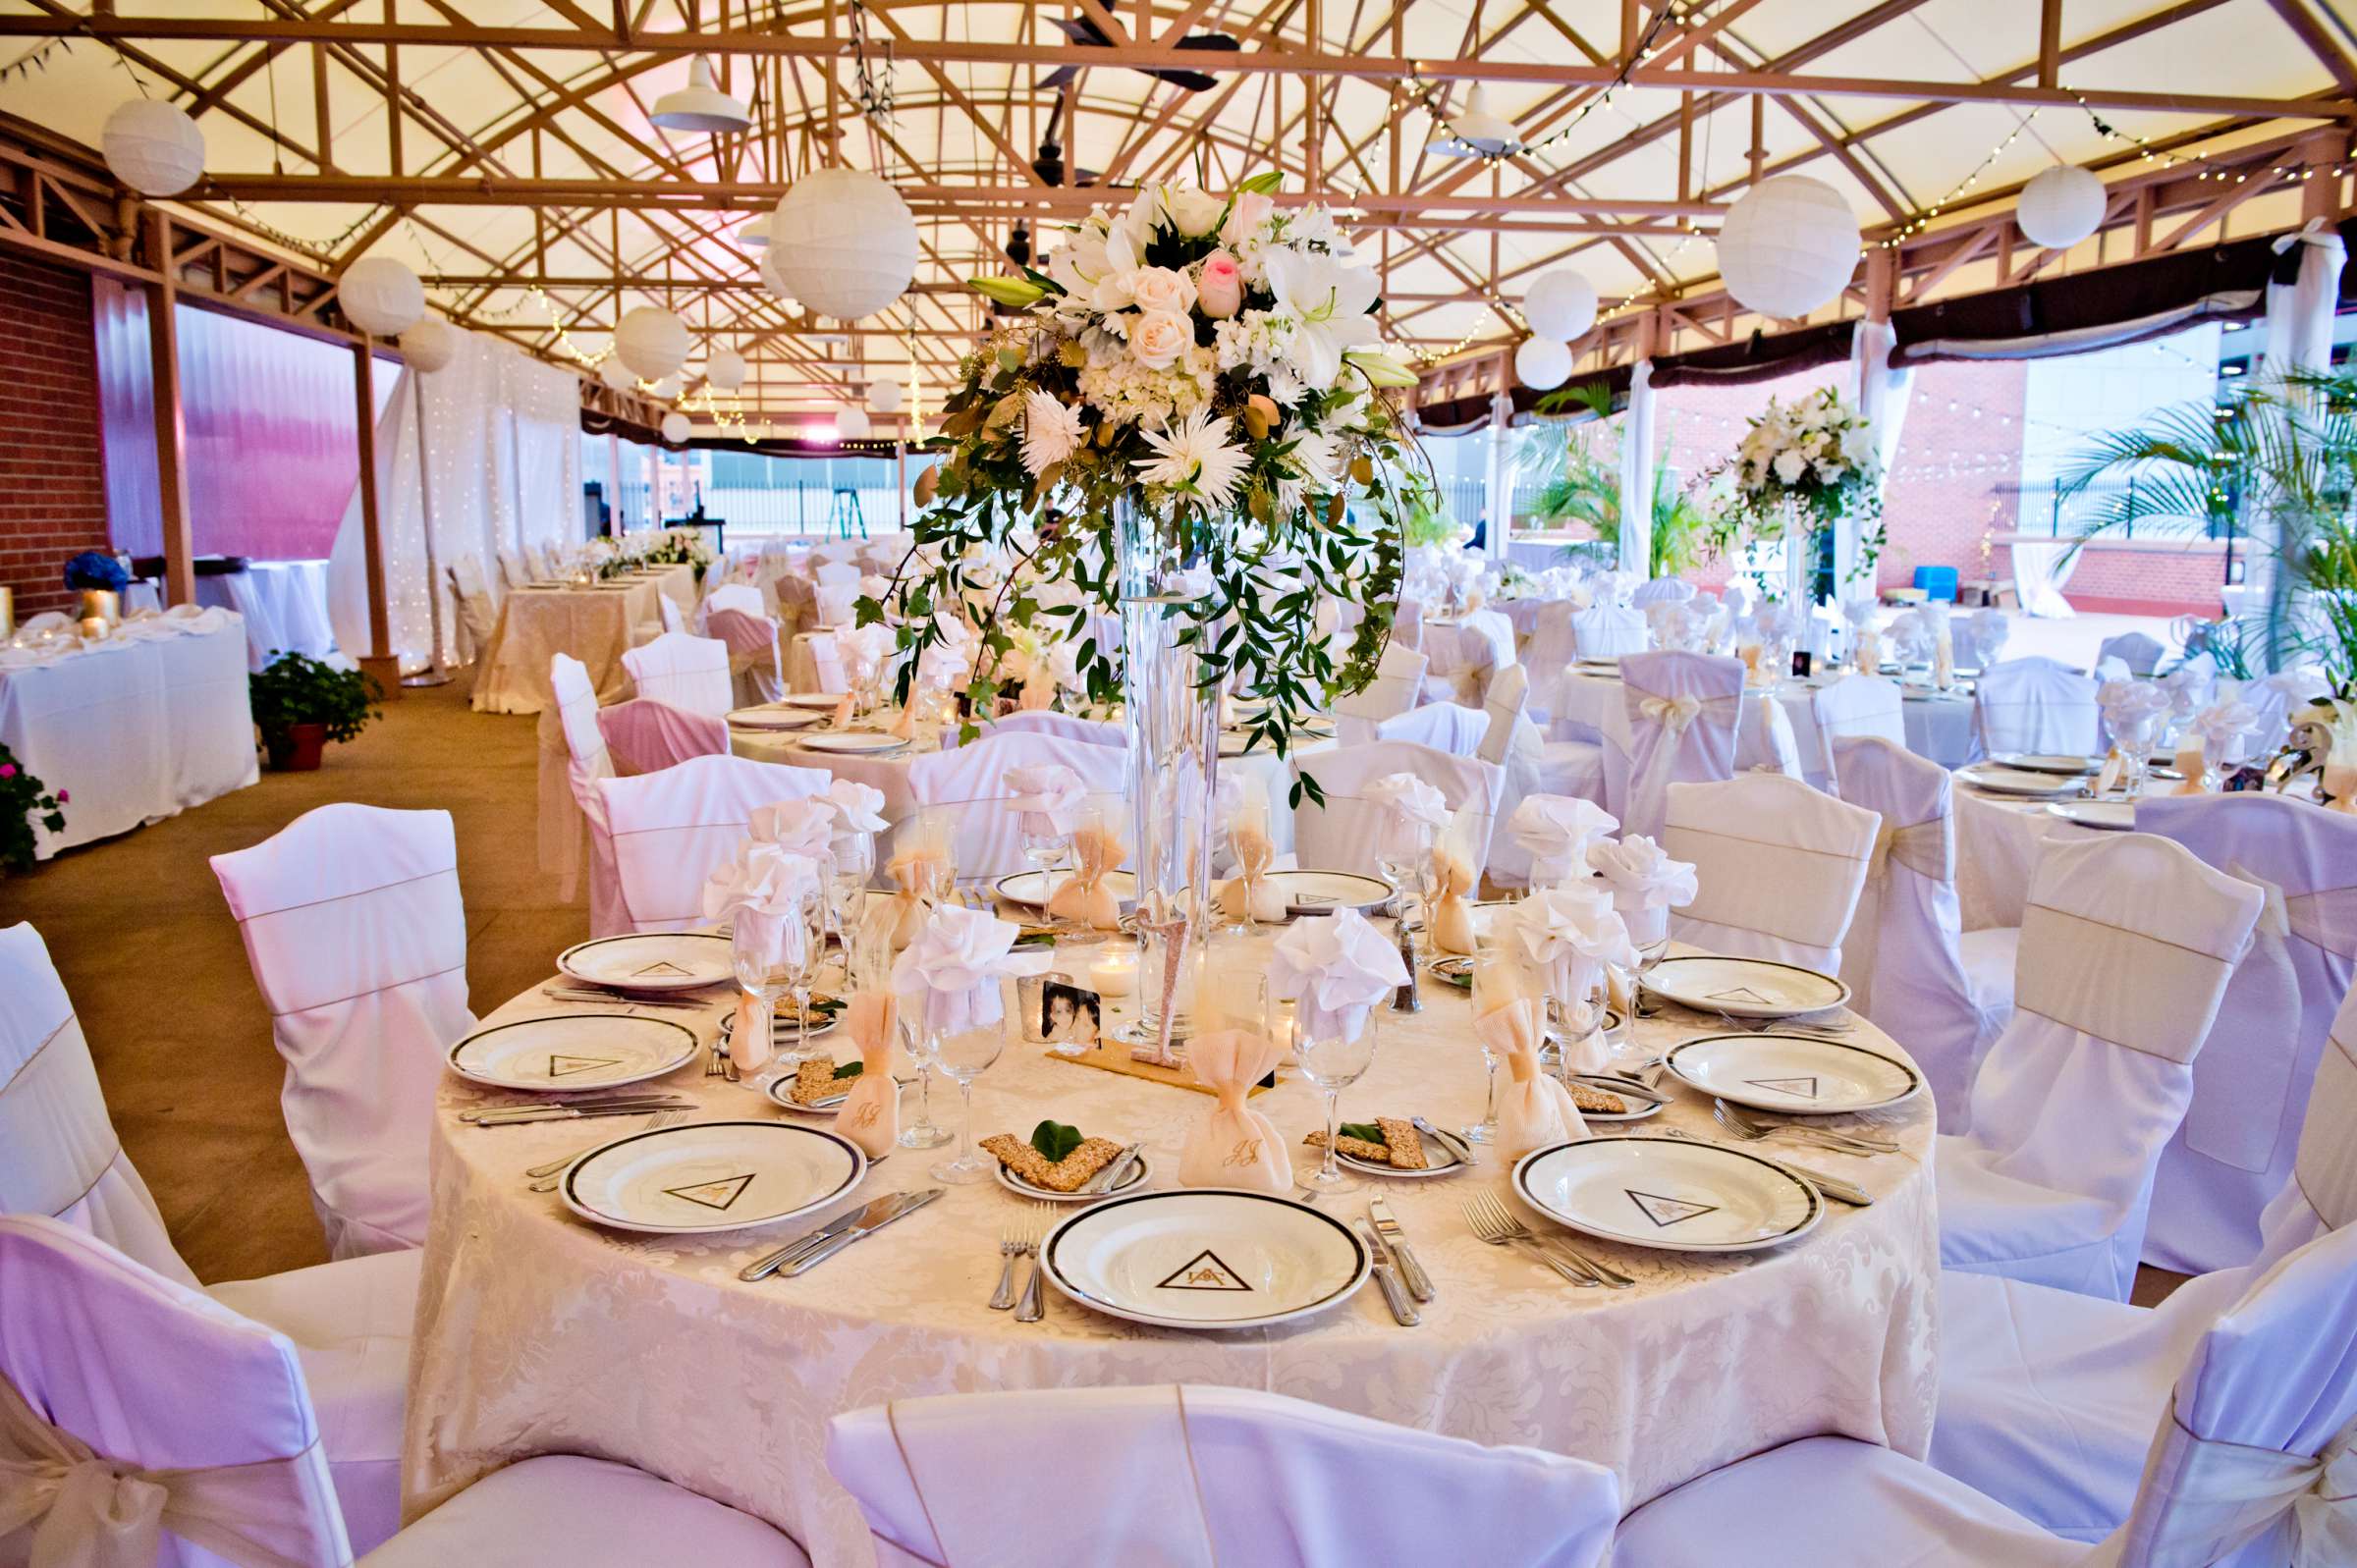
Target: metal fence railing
[(2044, 509)]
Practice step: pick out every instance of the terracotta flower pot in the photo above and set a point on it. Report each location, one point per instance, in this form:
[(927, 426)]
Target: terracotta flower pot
[(298, 750)]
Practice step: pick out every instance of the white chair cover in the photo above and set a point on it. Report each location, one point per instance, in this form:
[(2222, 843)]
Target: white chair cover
[(1398, 682), (1608, 631), (815, 664), (470, 597), (690, 673), (670, 618), (1853, 705), (1978, 639), (1777, 867), (1552, 647), (2126, 945), (514, 572), (1683, 715), (1346, 833), (212, 1450), (1188, 1478), (1062, 726), (2250, 1083), (1903, 961), (1662, 591), (969, 784), (1448, 726), (357, 940), (2140, 653), (1407, 626), (1512, 742), (1771, 745), (2035, 704), (672, 828), (643, 735), (2273, 698), (836, 603), (580, 806), (833, 574), (756, 670), (739, 596)]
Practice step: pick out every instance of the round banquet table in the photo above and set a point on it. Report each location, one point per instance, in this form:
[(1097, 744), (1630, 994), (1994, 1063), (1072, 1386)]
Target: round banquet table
[(538, 1332)]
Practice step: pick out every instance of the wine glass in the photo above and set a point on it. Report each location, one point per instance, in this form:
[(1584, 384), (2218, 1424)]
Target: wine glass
[(917, 1068), (762, 973), (803, 952), (1490, 969), (1403, 868), (1332, 1053), (853, 854), (1045, 845), (963, 1054)]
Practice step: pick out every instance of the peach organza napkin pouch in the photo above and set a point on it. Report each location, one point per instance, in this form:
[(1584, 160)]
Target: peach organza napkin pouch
[(919, 875), (1039, 687), (2192, 764), (1451, 915), (871, 1116), (1234, 1146), (1085, 899), (1249, 895), (1534, 1111)]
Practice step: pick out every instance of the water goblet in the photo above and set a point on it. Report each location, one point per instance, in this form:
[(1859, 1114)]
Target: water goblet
[(916, 1067), (962, 1055), (1333, 1054)]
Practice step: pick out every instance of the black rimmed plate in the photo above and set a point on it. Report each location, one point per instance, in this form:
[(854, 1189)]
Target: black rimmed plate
[(1794, 1075), (650, 961), (568, 1053), (712, 1175), (1743, 988), (1670, 1194), (1208, 1259)]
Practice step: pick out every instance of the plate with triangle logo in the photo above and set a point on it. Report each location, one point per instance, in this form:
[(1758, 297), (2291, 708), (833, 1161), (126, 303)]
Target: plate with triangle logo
[(650, 961), (1742, 988), (1794, 1075), (1204, 1257), (572, 1051), (712, 1175), (1669, 1194)]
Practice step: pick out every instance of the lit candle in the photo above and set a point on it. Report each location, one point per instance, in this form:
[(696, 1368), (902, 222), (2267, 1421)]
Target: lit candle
[(1115, 974)]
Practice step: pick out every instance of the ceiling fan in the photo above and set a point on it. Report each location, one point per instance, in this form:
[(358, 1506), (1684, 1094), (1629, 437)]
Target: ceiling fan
[(1084, 31)]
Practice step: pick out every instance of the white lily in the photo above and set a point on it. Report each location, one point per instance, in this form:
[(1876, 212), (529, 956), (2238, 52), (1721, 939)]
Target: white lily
[(1329, 304)]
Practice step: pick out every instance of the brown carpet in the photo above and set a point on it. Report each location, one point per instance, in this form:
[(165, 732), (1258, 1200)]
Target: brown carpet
[(154, 963)]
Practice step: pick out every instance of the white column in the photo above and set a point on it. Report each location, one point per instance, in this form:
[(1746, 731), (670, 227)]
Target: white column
[(1636, 473), (1881, 394), (1500, 476)]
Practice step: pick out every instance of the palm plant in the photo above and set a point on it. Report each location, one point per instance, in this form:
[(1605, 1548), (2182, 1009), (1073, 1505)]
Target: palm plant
[(2282, 454), (1579, 486)]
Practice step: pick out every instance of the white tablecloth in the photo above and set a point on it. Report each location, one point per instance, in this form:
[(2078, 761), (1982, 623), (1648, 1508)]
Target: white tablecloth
[(595, 625), (538, 1334), (284, 603), (136, 728)]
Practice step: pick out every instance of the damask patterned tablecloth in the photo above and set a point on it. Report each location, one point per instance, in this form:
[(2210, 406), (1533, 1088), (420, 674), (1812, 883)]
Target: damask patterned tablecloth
[(596, 625), (537, 1332)]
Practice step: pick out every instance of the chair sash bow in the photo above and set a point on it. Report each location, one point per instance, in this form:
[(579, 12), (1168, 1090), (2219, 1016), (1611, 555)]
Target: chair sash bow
[(1927, 848), (2227, 1495), (1674, 713)]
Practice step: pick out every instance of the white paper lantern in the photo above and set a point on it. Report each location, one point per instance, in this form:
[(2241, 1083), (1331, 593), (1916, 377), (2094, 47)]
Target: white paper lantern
[(152, 146), (2060, 207), (1560, 305), (381, 297), (652, 342), (430, 345), (1789, 247), (675, 428), (1542, 362), (767, 266), (851, 424), (724, 369), (845, 243), (614, 373), (884, 396), (666, 390)]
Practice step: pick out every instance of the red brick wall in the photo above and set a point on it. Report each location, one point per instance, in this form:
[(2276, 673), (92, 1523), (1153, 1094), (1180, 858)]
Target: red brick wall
[(52, 480)]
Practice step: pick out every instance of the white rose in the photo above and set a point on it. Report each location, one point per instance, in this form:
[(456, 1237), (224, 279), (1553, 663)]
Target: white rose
[(1789, 466), (1193, 213), (1159, 338), (1161, 289)]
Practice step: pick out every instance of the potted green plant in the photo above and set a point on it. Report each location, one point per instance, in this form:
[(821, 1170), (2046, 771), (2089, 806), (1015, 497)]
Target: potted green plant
[(24, 802), (300, 704)]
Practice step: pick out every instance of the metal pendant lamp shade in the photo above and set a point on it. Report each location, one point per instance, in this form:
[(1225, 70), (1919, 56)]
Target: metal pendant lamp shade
[(154, 147), (844, 243), (754, 233), (701, 106), (1475, 132)]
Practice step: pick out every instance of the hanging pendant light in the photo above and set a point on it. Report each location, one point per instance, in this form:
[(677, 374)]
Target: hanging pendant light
[(754, 233), (1475, 132), (701, 106)]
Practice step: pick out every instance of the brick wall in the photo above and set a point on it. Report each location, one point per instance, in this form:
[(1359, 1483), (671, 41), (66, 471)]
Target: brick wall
[(52, 480)]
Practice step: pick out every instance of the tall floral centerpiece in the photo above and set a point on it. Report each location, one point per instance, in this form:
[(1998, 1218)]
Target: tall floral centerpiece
[(1803, 467), (1183, 417)]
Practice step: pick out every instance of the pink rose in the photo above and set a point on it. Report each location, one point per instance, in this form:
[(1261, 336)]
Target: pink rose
[(8, 770), (1159, 338), (1220, 290), (62, 797), (1251, 210)]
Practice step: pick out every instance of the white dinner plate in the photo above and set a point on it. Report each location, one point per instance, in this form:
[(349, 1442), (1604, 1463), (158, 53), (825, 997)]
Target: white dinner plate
[(2061, 764), (1321, 893), (823, 701), (2111, 816), (1022, 1189), (652, 960), (1204, 1257), (1639, 1107), (775, 1092), (1671, 1194), (712, 1175), (1743, 988), (2015, 781), (1794, 1075), (774, 715), (1439, 1161), (1029, 889), (853, 743), (573, 1051), (781, 1030)]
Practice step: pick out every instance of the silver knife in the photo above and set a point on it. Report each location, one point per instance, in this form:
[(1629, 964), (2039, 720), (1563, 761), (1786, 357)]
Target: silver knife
[(1411, 1272), (1849, 1192), (910, 1204), (1115, 1169), (1403, 1311), (1446, 1140), (763, 1268), (612, 1107)]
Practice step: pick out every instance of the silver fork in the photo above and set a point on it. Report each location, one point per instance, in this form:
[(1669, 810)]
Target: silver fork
[(1013, 1242), (1840, 1143), (714, 1066), (554, 1170), (1032, 1307), (1492, 1223)]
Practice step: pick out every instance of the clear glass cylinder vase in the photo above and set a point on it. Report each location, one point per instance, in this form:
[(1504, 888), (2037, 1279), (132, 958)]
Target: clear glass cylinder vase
[(1173, 724)]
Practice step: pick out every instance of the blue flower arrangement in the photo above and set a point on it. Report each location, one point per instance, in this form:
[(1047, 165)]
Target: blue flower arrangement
[(94, 569)]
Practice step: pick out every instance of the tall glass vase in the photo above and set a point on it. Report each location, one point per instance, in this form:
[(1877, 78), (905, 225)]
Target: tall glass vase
[(1172, 726)]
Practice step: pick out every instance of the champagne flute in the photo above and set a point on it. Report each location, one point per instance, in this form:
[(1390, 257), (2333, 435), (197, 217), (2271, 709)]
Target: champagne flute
[(921, 1133), (1334, 1052), (962, 1055)]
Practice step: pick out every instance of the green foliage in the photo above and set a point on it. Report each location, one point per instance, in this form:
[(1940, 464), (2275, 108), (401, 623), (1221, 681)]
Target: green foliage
[(297, 689), (1054, 1140), (1579, 485), (25, 800), (1363, 1131)]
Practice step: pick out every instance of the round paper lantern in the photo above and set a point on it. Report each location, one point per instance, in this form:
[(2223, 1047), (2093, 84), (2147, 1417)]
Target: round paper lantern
[(652, 342), (2060, 207), (845, 243), (381, 297), (675, 428), (768, 268), (666, 390), (1788, 246), (1542, 362), (1560, 305), (851, 424), (614, 373), (724, 369), (430, 345), (154, 147), (884, 396)]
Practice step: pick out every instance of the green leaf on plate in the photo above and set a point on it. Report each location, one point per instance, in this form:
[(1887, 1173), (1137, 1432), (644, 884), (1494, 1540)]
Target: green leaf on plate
[(1366, 1132), (851, 1069), (1054, 1140)]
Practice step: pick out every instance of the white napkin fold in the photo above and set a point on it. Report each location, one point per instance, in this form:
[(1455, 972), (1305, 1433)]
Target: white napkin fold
[(797, 827), (1049, 796), (765, 883), (1417, 811), (1558, 832), (949, 974), (1641, 874), (1333, 968), (1570, 933), (857, 808)]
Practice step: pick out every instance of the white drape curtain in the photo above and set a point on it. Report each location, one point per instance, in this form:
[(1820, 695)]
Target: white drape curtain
[(2040, 569), (1636, 473), (503, 469), (2299, 338), (1882, 394)]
